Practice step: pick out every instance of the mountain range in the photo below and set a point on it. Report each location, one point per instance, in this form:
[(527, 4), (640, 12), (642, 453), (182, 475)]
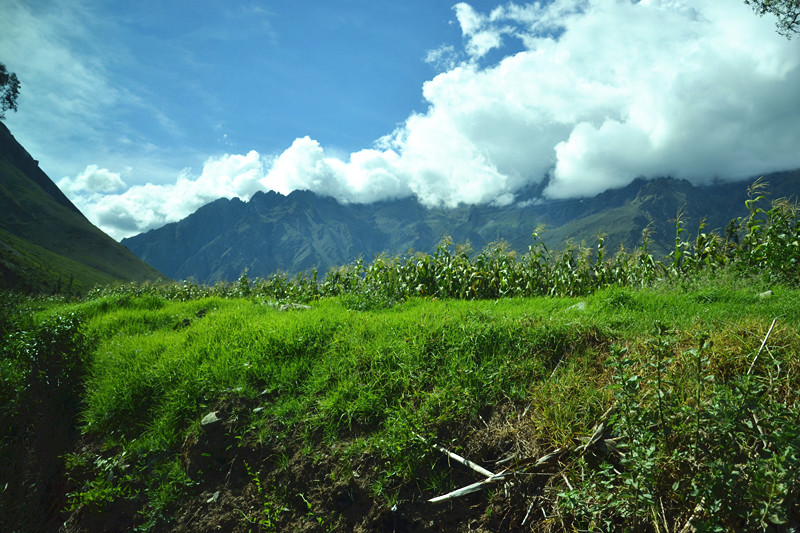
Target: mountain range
[(300, 231), (46, 244)]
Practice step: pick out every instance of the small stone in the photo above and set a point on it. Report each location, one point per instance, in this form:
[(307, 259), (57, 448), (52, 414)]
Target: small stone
[(210, 421), (289, 307), (765, 294), (580, 306)]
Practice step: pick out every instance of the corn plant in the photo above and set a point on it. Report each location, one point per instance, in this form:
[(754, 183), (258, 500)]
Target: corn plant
[(766, 242)]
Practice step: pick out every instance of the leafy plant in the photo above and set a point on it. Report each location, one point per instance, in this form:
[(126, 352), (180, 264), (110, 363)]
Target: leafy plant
[(269, 513), (728, 450)]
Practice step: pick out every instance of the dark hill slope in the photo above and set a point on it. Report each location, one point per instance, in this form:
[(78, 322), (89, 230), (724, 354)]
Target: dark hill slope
[(46, 244), (302, 230)]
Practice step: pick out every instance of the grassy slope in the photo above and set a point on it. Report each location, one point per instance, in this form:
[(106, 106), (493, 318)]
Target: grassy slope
[(31, 268), (44, 241), (321, 408)]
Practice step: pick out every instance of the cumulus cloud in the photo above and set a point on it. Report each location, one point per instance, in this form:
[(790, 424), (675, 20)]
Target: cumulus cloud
[(603, 92), (92, 180), (481, 37), (144, 207), (369, 175)]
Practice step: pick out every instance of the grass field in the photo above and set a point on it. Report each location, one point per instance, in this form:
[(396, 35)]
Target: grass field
[(364, 395)]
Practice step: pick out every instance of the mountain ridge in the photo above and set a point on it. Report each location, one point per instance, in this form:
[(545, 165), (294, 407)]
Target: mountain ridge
[(302, 230), (46, 244), (13, 151)]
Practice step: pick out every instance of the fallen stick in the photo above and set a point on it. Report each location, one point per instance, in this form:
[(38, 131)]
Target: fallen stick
[(465, 462), (455, 456), (469, 489), (688, 527), (597, 433), (764, 343), (566, 480), (549, 457), (528, 514), (491, 477), (494, 478)]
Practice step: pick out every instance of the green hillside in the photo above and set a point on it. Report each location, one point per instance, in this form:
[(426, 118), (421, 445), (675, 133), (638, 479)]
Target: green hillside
[(46, 244), (30, 268)]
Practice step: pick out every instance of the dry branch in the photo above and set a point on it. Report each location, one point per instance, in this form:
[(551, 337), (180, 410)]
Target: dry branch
[(469, 489), (465, 462), (523, 466), (764, 343)]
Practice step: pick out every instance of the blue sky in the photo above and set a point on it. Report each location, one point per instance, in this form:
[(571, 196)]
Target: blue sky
[(144, 111), (189, 79)]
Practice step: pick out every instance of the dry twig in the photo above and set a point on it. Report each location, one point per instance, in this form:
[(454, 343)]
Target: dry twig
[(764, 343)]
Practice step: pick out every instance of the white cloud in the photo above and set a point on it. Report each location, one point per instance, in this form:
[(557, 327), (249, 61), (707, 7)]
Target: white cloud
[(368, 176), (605, 91), (144, 207), (470, 20), (92, 180), (442, 58), (608, 91), (481, 37), (686, 93)]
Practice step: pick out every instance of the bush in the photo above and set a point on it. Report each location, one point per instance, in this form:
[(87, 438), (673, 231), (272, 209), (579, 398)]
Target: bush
[(41, 369)]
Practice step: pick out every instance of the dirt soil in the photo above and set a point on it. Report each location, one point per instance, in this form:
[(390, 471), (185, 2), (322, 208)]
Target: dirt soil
[(250, 488)]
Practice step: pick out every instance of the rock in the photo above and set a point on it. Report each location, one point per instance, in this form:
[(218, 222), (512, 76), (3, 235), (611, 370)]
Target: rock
[(211, 421), (765, 294), (580, 306), (289, 307)]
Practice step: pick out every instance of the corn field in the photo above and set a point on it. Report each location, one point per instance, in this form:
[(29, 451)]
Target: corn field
[(765, 242)]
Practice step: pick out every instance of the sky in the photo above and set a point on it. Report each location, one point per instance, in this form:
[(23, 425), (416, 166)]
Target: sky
[(144, 111)]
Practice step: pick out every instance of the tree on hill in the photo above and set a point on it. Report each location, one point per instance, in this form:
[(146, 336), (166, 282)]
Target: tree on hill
[(787, 11), (9, 91)]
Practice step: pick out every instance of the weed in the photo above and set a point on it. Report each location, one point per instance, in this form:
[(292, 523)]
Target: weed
[(311, 514), (268, 515), (715, 428)]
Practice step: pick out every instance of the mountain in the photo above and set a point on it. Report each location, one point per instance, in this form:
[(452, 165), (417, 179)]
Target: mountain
[(46, 244), (294, 233)]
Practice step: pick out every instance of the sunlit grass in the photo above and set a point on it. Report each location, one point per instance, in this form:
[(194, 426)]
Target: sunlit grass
[(373, 382), (407, 351), (158, 366)]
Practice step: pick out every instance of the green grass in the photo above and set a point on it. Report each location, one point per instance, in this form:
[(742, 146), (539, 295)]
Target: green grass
[(344, 370), (373, 381), (346, 396)]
